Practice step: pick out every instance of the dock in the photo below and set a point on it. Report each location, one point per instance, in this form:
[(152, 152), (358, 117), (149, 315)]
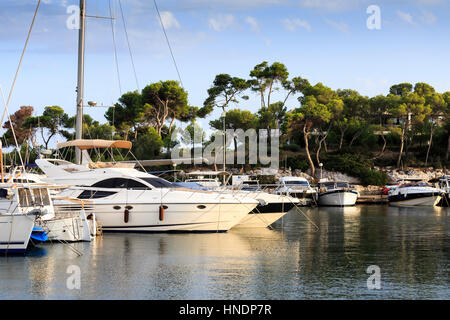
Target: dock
[(372, 199)]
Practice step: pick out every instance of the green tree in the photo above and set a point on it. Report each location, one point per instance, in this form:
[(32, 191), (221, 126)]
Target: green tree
[(225, 90), (236, 119), (401, 89), (165, 100), (435, 108), (273, 116), (311, 114), (127, 114), (265, 77), (148, 144), (446, 97), (379, 111), (21, 131), (195, 133), (410, 109), (53, 119)]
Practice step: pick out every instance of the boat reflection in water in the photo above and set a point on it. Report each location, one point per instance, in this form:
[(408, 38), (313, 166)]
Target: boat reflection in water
[(294, 261)]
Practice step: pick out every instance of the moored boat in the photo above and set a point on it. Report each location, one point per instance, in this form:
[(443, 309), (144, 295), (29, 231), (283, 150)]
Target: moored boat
[(297, 187), (414, 194), (20, 206), (336, 194), (444, 185)]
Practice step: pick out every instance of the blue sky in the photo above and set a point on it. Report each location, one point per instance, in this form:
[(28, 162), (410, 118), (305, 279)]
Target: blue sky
[(326, 41)]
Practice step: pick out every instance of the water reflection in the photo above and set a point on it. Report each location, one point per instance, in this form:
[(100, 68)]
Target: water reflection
[(294, 261)]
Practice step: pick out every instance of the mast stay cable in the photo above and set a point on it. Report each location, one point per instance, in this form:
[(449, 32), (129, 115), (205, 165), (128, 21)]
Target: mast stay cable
[(6, 112), (129, 46), (168, 43)]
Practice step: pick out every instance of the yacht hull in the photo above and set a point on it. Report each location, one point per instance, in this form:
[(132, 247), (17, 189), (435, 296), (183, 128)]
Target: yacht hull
[(260, 220), (413, 200), (15, 231), (71, 229), (271, 208), (188, 217), (338, 198), (445, 200)]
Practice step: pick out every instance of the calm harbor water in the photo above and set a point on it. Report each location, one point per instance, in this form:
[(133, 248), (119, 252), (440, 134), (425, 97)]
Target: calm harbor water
[(295, 260)]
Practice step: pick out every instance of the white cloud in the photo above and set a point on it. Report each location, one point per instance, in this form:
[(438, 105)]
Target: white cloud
[(341, 26), (254, 25), (221, 22), (407, 17), (292, 24), (428, 17), (169, 20)]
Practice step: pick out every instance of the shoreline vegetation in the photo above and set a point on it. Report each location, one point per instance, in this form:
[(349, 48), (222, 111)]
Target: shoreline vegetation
[(359, 136)]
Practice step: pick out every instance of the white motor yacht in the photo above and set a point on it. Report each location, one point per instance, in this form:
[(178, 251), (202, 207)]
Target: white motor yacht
[(414, 194), (125, 199), (209, 179), (336, 194), (297, 187), (144, 203), (271, 207)]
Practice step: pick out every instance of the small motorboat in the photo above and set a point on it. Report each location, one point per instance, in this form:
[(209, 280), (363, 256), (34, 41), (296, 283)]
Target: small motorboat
[(297, 187), (443, 183), (336, 194), (414, 194), (39, 235)]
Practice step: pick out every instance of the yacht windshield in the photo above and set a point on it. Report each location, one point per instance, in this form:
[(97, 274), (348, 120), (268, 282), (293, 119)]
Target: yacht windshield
[(328, 185), (342, 184)]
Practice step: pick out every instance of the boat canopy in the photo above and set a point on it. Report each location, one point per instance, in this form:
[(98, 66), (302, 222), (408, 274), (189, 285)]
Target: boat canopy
[(85, 144)]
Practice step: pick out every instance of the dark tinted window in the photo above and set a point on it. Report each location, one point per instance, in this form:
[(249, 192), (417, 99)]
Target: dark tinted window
[(328, 185), (108, 183), (135, 185), (120, 183), (158, 182), (342, 185), (92, 194), (302, 183), (3, 193)]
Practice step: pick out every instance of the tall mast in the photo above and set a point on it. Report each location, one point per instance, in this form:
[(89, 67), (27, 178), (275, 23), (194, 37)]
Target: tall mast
[(80, 83)]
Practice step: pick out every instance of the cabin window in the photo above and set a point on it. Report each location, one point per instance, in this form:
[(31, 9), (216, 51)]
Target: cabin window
[(3, 193), (301, 183), (158, 182), (342, 185), (121, 183), (328, 185), (41, 197), (136, 185), (111, 183), (25, 199), (24, 180), (92, 194)]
